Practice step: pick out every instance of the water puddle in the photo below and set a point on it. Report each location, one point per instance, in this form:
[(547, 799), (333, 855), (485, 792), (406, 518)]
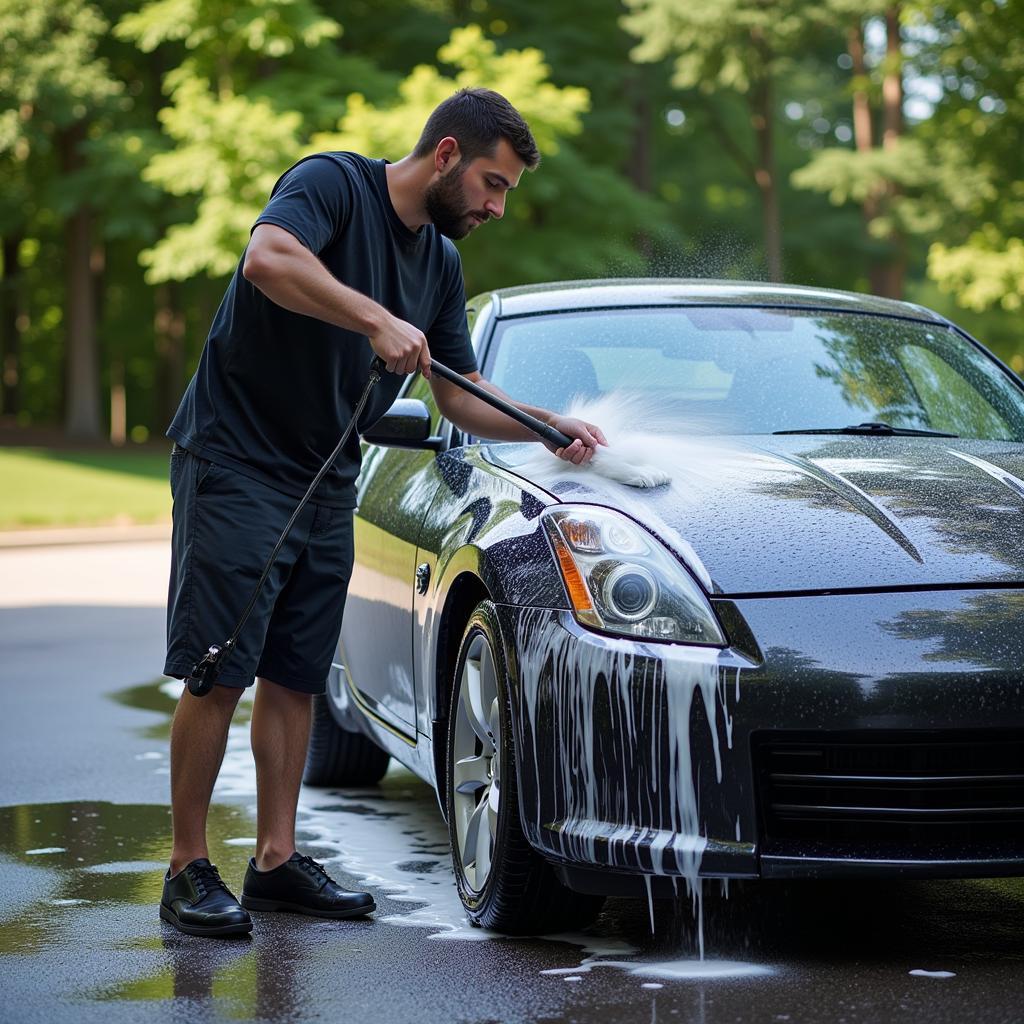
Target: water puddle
[(67, 863), (59, 858), (393, 839)]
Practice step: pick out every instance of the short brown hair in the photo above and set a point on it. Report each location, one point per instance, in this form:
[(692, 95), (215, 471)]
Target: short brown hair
[(477, 119)]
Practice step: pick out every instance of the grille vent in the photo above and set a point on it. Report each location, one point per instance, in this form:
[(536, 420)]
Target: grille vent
[(922, 788)]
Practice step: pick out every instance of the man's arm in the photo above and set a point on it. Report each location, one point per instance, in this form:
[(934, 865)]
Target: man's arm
[(476, 417), (291, 276)]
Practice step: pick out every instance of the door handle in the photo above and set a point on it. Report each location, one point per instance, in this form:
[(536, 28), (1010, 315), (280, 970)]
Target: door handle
[(422, 577)]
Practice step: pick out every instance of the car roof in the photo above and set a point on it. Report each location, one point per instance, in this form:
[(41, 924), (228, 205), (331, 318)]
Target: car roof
[(558, 296)]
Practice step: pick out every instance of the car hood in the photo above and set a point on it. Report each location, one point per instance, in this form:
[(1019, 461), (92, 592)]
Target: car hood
[(767, 514)]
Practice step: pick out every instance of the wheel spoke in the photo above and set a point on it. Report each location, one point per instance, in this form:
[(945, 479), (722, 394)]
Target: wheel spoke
[(470, 774), (493, 803), (470, 842), (488, 680), (473, 703), (494, 723), (484, 842)]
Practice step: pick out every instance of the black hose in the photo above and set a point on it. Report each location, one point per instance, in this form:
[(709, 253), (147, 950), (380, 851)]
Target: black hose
[(205, 671)]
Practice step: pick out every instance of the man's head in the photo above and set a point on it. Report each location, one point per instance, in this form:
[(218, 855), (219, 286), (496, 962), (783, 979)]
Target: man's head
[(480, 146)]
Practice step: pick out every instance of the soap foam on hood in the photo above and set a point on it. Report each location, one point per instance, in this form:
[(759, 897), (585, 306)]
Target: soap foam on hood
[(648, 446), (645, 442)]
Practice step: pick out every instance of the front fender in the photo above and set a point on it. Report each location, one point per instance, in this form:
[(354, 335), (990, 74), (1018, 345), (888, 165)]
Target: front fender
[(481, 538)]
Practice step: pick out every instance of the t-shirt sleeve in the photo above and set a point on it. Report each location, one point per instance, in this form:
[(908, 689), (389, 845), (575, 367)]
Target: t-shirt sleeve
[(311, 201), (448, 336)]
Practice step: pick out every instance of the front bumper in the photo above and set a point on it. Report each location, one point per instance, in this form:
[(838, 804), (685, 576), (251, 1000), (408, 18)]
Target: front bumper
[(640, 763)]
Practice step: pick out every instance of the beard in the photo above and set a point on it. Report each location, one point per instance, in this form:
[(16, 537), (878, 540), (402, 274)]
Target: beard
[(445, 203)]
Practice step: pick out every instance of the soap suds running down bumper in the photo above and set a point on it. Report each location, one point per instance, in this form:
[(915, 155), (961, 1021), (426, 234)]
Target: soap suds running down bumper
[(621, 765), (643, 763)]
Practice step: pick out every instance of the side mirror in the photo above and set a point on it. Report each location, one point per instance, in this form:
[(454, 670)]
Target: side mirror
[(405, 425)]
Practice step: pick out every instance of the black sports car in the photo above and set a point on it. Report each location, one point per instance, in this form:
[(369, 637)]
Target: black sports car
[(800, 657)]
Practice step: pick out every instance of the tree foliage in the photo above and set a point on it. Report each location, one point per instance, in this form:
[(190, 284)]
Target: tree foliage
[(979, 256), (740, 47), (140, 138)]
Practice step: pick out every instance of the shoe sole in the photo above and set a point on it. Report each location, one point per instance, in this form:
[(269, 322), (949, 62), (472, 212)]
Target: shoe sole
[(273, 906), (213, 931)]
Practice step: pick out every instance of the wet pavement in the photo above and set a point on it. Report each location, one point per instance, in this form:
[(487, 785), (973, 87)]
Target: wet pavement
[(84, 831)]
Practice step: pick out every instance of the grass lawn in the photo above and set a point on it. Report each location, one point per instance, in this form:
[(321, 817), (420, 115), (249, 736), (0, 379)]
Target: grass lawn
[(45, 487)]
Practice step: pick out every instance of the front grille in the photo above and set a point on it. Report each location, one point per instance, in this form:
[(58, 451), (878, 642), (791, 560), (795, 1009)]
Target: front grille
[(923, 788)]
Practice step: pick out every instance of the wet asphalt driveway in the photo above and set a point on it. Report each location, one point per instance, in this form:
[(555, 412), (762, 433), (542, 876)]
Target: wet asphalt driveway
[(84, 831)]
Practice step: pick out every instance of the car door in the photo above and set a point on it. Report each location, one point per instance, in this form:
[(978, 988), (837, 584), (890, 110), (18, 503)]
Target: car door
[(395, 489), (394, 492)]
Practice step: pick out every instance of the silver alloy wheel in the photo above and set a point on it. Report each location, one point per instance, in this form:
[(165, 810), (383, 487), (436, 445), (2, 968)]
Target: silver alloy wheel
[(476, 768)]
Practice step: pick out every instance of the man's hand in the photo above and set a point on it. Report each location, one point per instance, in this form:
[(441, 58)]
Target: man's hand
[(587, 435), (401, 346)]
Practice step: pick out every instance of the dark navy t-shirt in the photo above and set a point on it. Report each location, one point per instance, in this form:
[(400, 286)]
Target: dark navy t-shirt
[(274, 389)]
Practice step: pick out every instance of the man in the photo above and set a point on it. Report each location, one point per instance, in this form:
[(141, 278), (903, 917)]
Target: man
[(351, 257)]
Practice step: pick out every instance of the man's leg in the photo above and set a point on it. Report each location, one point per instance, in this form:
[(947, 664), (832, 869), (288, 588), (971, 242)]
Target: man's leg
[(220, 519), (280, 734), (195, 899), (199, 736), (298, 649), (278, 877)]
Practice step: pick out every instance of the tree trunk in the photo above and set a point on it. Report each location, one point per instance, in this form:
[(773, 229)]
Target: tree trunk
[(82, 387), (892, 84), (762, 120), (892, 120), (10, 347), (638, 163), (863, 134), (169, 331)]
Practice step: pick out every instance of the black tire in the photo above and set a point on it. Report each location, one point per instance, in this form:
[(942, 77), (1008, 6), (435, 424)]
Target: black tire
[(338, 757), (521, 895)]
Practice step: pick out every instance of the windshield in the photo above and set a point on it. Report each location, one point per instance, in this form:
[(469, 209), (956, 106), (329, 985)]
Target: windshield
[(756, 371)]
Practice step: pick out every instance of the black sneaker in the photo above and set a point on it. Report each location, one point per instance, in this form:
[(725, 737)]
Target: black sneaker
[(301, 886), (197, 902)]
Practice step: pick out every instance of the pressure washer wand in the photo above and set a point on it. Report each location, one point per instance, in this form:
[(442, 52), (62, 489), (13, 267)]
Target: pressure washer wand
[(205, 671), (545, 430)]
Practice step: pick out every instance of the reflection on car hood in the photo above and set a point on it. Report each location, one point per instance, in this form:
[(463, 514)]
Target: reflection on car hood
[(825, 513)]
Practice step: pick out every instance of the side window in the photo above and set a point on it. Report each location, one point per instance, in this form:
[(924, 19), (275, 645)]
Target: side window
[(477, 320), (953, 404)]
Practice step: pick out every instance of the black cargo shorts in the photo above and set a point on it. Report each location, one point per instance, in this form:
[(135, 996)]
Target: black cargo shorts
[(225, 526)]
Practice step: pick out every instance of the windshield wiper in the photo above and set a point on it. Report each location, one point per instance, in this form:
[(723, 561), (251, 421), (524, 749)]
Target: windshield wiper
[(870, 429)]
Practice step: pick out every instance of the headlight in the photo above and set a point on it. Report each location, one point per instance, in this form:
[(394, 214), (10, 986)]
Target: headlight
[(620, 579)]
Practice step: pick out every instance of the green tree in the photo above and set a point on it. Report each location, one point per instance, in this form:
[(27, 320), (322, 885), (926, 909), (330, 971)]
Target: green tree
[(256, 76), (886, 172), (979, 255), (954, 179), (567, 200), (737, 48), (56, 94), (594, 207)]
